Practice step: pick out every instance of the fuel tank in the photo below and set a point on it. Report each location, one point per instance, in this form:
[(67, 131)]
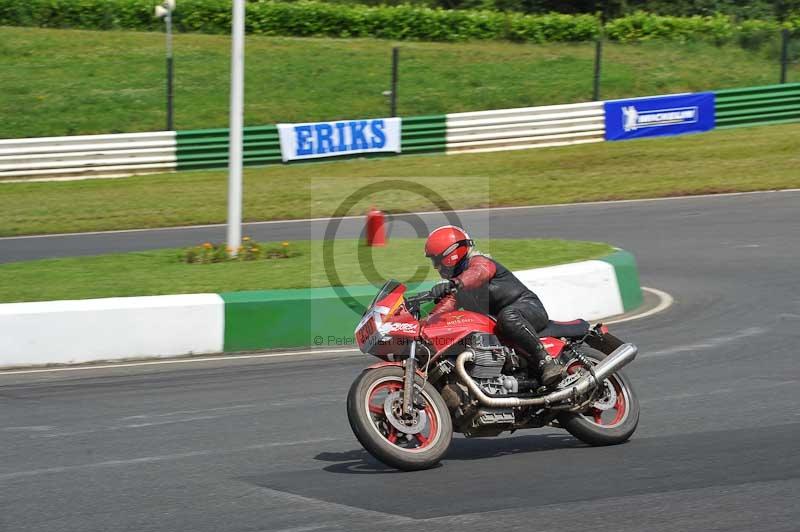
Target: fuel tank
[(444, 330)]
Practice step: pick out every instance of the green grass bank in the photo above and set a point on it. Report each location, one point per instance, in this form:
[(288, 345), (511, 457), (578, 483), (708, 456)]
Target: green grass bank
[(71, 82), (160, 271), (731, 160)]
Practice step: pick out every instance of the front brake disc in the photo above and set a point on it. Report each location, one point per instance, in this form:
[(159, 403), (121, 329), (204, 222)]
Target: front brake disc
[(393, 409)]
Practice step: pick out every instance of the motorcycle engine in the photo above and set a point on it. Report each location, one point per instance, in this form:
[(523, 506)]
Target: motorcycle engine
[(487, 371), (487, 367)]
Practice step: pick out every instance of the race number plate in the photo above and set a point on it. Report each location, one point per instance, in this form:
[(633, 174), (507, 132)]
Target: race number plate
[(367, 334)]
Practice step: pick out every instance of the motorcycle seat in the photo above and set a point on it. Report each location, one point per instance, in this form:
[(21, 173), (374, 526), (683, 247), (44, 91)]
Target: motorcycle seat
[(565, 329)]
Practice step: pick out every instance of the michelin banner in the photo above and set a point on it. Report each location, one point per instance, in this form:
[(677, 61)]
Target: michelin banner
[(346, 137), (659, 116)]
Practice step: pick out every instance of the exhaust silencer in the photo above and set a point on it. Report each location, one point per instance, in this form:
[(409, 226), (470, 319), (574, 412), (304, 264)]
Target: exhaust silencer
[(618, 359)]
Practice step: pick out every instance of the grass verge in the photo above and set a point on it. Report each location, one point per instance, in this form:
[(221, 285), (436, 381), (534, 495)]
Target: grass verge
[(722, 161), (161, 272), (71, 82)]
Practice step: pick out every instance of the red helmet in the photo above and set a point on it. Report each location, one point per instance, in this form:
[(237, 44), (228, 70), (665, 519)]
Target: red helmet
[(447, 247)]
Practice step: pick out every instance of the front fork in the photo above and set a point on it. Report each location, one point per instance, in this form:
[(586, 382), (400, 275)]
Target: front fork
[(408, 380)]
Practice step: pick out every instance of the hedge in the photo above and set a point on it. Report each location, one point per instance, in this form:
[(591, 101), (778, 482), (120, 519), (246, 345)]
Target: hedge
[(718, 29), (318, 19)]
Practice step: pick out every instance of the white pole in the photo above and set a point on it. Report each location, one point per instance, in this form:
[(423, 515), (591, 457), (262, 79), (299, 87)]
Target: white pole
[(170, 74), (236, 125)]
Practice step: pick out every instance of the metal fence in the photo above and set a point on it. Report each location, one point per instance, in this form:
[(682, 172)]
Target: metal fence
[(503, 129), (208, 148), (528, 127), (120, 154), (749, 106)]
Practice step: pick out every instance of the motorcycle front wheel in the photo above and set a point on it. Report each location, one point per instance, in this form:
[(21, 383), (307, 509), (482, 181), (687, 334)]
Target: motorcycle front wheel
[(408, 443), (609, 420)]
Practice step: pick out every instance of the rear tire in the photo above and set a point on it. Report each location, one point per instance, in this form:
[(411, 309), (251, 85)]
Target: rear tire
[(394, 448), (603, 429)]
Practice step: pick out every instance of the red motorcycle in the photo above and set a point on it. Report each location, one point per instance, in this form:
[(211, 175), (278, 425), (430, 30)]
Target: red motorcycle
[(451, 372)]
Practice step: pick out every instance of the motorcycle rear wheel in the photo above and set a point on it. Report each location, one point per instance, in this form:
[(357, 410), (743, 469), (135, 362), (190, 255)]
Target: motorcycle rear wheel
[(368, 419), (616, 419)]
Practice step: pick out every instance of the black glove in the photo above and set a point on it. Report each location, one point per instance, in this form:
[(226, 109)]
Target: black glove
[(440, 290)]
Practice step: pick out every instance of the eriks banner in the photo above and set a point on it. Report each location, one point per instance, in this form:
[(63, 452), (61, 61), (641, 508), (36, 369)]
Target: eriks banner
[(346, 137)]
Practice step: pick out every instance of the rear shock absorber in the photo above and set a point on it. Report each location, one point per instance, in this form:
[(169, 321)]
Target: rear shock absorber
[(583, 360)]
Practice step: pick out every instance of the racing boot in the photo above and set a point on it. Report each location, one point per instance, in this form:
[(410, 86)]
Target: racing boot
[(550, 371)]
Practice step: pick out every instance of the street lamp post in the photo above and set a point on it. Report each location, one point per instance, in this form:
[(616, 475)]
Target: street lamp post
[(164, 11), (235, 147)]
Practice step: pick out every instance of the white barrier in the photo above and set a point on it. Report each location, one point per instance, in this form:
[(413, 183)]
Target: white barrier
[(587, 290), (527, 127), (132, 153), (70, 332), (144, 153)]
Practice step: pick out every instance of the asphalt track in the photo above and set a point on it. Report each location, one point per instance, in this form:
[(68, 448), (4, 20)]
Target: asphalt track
[(263, 444)]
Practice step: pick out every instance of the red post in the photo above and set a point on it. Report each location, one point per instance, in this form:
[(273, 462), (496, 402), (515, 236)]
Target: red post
[(376, 232)]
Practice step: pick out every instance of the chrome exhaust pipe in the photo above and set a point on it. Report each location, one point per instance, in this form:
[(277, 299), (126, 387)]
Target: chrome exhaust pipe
[(618, 359)]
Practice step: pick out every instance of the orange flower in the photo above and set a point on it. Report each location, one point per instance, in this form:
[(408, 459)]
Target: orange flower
[(207, 245)]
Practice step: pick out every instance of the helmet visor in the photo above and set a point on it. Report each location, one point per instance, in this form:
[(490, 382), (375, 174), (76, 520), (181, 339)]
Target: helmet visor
[(444, 270)]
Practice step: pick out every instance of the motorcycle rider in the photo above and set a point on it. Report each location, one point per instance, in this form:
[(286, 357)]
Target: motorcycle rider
[(477, 282)]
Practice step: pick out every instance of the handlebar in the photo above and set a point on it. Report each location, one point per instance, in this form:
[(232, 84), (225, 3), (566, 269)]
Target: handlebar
[(419, 298), (424, 296), (414, 302)]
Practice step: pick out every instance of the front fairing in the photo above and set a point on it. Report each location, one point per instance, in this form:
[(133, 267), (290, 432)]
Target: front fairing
[(386, 329)]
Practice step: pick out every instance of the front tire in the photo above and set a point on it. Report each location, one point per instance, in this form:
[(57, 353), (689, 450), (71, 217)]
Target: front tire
[(610, 420), (367, 403)]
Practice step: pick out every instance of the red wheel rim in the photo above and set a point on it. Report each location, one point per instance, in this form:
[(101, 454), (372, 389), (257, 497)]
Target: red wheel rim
[(611, 417), (408, 442)]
